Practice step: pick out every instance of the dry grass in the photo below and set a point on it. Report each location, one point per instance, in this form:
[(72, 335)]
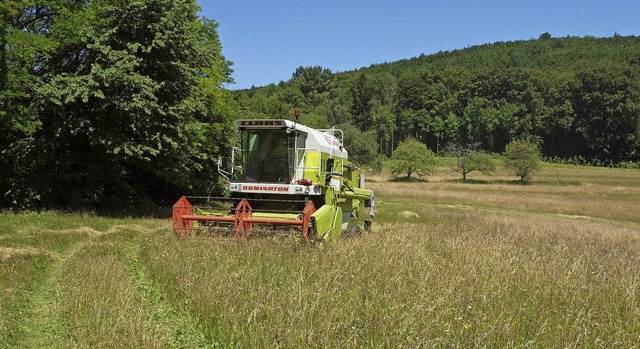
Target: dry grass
[(611, 194), (101, 305), (483, 280), (555, 263)]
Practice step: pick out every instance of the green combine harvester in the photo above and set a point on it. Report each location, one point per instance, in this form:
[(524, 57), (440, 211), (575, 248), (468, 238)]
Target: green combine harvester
[(284, 179)]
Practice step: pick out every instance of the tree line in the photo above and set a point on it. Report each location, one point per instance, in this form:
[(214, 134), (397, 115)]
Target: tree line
[(577, 97)]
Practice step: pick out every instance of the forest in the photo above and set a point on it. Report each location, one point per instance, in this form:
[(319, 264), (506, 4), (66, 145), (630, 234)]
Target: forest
[(578, 98), (113, 104)]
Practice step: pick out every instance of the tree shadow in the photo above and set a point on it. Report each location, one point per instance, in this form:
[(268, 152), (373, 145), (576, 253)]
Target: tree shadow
[(468, 181), (408, 180)]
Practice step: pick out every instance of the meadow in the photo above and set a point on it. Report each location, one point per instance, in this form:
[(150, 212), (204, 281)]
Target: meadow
[(485, 263)]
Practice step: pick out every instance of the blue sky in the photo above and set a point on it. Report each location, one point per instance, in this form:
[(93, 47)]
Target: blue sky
[(268, 40)]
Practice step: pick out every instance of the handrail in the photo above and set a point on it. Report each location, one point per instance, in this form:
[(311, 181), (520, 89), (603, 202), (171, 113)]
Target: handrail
[(305, 167), (319, 168)]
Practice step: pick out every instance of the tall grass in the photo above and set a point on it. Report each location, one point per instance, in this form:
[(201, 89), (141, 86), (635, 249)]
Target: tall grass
[(466, 280), (493, 265), (101, 305), (554, 263)]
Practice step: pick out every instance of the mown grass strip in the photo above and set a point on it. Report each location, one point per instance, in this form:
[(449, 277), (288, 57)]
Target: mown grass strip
[(29, 280), (21, 276), (45, 327)]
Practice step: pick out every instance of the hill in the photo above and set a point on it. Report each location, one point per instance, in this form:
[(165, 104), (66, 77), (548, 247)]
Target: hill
[(568, 53), (578, 97)]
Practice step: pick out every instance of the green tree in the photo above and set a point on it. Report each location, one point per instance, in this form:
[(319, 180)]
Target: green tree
[(469, 158), (130, 105), (480, 120), (336, 108), (384, 124), (608, 112), (312, 81), (362, 94), (24, 47), (362, 146), (412, 156), (523, 158)]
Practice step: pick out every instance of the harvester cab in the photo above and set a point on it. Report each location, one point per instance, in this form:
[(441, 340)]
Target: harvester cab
[(285, 178)]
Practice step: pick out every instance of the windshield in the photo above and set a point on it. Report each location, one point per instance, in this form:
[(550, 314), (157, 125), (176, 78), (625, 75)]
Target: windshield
[(267, 155)]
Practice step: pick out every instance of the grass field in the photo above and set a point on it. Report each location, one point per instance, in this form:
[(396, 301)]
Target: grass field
[(486, 263)]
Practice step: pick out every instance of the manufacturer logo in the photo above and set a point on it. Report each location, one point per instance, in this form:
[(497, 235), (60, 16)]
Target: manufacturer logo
[(264, 188), (261, 123), (333, 141)]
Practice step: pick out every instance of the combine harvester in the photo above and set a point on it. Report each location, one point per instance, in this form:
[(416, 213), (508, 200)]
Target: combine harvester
[(285, 179)]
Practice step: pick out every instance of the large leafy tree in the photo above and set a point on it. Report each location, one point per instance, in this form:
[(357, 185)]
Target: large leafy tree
[(361, 145), (468, 158), (312, 80), (130, 105), (24, 47), (412, 156), (522, 157)]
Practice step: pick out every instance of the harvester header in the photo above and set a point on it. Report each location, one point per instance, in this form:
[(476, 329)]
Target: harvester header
[(284, 178)]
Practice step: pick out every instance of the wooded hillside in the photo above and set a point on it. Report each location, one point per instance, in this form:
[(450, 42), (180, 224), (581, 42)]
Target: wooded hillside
[(578, 97)]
